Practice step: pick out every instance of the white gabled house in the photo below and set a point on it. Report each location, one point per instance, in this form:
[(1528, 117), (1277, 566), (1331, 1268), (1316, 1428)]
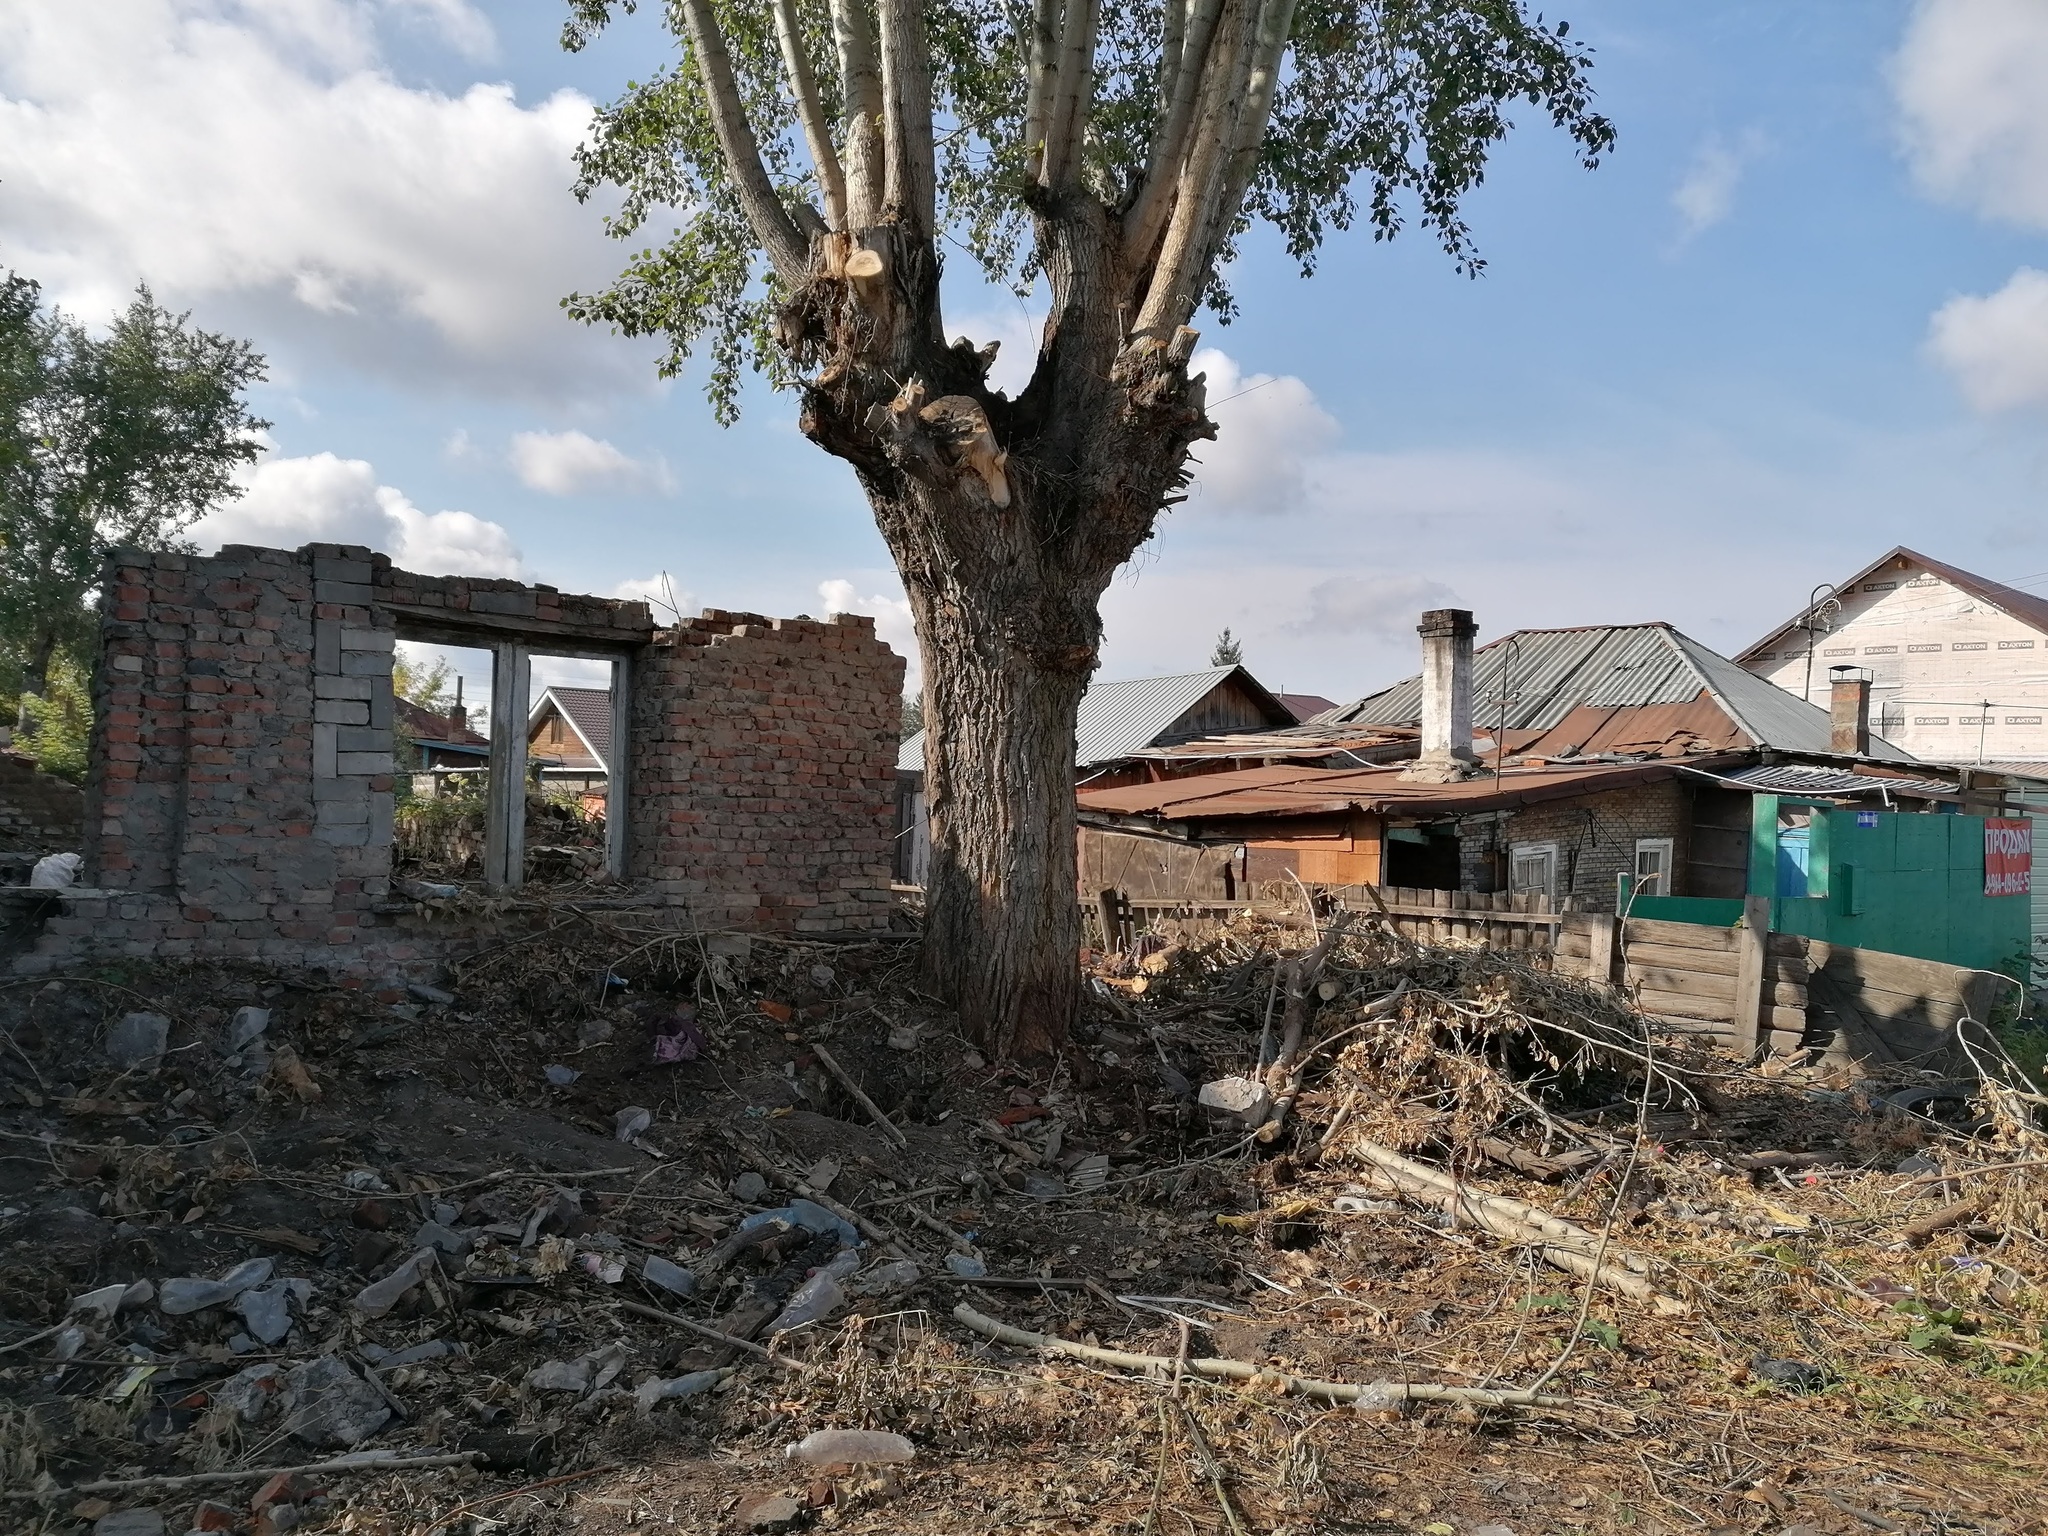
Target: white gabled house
[(1958, 663)]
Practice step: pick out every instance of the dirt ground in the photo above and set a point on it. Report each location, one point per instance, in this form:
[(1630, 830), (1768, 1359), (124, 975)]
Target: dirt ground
[(1793, 1360)]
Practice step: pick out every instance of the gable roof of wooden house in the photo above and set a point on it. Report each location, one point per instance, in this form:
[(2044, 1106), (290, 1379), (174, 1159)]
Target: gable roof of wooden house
[(586, 711), (1119, 719)]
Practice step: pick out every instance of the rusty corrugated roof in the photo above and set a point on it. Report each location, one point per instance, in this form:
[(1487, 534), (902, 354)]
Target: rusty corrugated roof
[(1270, 792)]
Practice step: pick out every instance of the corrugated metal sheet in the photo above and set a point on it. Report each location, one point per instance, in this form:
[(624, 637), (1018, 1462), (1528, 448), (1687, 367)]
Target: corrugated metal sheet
[(1116, 719), (1539, 676), (1772, 716), (1802, 779)]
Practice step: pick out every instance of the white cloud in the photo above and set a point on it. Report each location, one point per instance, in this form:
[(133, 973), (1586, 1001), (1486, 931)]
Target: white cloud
[(1018, 331), (569, 463), (457, 23), (892, 622), (1971, 78), (323, 499), (257, 156), (1386, 607), (1706, 194), (1997, 345), (1269, 430)]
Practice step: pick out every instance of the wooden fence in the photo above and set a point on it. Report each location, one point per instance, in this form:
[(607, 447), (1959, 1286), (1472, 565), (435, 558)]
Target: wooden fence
[(1875, 1009), (1494, 920), (1741, 987)]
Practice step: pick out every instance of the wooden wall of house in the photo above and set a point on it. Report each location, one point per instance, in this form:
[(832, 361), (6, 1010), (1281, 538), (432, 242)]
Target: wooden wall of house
[(1350, 855), (1928, 645), (1717, 853), (1227, 707)]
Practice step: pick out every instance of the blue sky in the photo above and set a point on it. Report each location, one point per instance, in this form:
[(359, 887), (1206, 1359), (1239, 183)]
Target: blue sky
[(1789, 323)]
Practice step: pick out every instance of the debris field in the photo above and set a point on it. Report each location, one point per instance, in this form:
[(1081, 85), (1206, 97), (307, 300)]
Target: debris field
[(620, 1231)]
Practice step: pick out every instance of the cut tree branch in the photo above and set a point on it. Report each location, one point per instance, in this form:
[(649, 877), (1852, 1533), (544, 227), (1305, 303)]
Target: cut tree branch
[(860, 84), (811, 110), (772, 223), (1067, 120), (910, 192), (1390, 1394)]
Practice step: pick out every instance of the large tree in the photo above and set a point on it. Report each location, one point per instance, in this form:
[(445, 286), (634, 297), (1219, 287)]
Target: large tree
[(822, 153), (121, 438)]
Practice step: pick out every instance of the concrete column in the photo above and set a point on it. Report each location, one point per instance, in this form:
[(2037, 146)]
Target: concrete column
[(1446, 697)]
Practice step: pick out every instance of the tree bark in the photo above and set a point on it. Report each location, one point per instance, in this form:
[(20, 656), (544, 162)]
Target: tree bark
[(1007, 519)]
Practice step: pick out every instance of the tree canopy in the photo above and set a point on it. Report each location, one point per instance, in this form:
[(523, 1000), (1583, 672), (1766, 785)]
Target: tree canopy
[(1384, 111), (105, 440)]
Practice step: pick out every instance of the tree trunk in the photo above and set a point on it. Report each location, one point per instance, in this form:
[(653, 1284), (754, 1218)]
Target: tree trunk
[(1002, 919), (1006, 519)]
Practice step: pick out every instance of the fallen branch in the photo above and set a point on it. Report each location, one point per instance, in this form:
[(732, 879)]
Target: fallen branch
[(846, 1081), (1561, 1243), (748, 1346), (1914, 1233), (1258, 1375), (251, 1475)]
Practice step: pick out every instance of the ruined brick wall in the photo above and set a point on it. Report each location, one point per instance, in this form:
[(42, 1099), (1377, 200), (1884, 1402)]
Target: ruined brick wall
[(763, 771), (39, 813), (239, 799), (239, 803), (1596, 836)]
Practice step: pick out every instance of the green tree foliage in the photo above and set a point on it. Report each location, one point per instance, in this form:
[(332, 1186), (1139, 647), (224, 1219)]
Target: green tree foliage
[(59, 728), (1229, 650), (122, 439)]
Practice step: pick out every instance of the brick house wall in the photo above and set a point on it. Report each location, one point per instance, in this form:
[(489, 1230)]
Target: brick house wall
[(39, 813), (763, 771), (1595, 836)]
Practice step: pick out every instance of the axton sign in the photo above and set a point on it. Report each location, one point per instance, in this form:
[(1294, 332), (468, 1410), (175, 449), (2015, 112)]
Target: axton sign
[(2008, 857)]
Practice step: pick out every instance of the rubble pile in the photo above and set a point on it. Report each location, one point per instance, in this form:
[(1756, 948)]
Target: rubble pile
[(624, 1230)]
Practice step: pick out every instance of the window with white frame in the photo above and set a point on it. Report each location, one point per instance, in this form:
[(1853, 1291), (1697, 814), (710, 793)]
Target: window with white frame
[(1653, 866), (1533, 867)]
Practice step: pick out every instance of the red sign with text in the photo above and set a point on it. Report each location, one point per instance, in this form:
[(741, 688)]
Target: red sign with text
[(2008, 857)]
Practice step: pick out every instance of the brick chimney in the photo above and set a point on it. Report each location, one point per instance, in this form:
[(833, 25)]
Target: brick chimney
[(1849, 711), (1446, 697), (458, 717)]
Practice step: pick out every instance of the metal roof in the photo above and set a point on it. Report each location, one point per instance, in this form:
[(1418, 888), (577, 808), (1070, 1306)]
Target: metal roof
[(1257, 793), (1119, 719), (1539, 676), (1805, 779)]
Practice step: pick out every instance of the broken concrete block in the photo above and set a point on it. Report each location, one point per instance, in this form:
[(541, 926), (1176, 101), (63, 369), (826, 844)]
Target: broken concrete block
[(1243, 1097)]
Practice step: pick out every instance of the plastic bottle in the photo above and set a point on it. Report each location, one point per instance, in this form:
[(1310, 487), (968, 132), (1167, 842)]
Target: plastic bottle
[(818, 1297), (850, 1447)]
